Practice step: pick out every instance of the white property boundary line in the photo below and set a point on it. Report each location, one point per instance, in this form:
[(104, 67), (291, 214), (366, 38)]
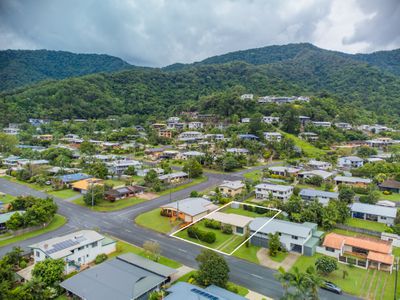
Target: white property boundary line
[(223, 206)]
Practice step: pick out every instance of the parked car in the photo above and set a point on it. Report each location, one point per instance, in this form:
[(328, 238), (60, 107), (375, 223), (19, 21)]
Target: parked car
[(329, 286)]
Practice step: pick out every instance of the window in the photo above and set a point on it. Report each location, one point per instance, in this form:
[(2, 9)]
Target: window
[(295, 237), (37, 253), (329, 249), (239, 230), (80, 248), (94, 244), (383, 218)]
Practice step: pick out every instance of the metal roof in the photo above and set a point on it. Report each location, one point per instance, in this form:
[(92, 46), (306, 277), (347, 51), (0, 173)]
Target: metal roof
[(6, 216), (378, 210), (274, 187), (318, 193), (191, 206), (281, 226)]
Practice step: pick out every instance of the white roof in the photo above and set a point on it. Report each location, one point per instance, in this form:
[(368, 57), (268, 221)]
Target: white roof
[(274, 187), (192, 206), (352, 179), (284, 169), (231, 219), (378, 210), (237, 184), (321, 173), (62, 246), (272, 133), (351, 158)]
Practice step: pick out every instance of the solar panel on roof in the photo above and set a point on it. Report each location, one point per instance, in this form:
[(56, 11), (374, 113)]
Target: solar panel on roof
[(62, 245), (204, 294)]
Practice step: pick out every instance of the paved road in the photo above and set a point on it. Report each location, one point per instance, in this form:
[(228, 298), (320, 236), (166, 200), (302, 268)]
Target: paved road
[(120, 224)]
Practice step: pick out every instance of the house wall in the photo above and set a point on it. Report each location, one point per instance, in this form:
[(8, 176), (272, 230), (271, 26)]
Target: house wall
[(322, 250), (287, 241), (230, 192)]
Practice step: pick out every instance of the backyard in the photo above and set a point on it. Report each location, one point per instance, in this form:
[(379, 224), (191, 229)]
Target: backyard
[(368, 284), (365, 224)]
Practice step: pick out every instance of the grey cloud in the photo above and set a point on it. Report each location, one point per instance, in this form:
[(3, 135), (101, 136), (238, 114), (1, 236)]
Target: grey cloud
[(158, 32), (381, 29)]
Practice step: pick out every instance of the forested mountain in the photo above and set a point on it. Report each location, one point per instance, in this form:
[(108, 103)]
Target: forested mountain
[(388, 60), (279, 70), (22, 67)]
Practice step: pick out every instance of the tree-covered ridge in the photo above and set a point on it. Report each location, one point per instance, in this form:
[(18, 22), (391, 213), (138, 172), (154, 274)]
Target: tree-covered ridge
[(388, 60), (22, 67)]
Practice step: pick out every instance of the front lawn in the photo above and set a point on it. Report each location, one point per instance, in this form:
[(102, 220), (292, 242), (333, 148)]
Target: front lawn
[(105, 205), (64, 194), (56, 223), (153, 220), (365, 224), (124, 247), (280, 256), (392, 197), (248, 253), (367, 284), (184, 186)]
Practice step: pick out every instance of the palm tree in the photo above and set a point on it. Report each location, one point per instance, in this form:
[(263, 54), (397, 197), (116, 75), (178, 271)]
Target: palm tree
[(283, 278), (298, 280), (313, 281)]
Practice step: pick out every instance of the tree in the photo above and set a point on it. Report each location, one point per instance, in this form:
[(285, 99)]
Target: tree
[(153, 249), (88, 148), (213, 269), (49, 271), (313, 281), (274, 244), (326, 264), (346, 194), (131, 171), (193, 168), (365, 151), (7, 143), (315, 180), (290, 121), (98, 169), (94, 195), (151, 180)]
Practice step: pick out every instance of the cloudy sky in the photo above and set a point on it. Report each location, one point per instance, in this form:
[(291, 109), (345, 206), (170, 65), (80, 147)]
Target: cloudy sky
[(161, 32)]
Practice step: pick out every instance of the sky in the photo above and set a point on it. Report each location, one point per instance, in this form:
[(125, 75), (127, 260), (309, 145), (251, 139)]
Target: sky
[(161, 32)]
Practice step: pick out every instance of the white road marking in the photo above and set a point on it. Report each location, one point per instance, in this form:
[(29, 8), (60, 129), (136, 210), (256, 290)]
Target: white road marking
[(257, 276)]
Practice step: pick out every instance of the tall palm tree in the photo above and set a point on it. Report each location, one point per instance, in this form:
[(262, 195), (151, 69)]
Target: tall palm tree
[(313, 281), (298, 280), (283, 278)]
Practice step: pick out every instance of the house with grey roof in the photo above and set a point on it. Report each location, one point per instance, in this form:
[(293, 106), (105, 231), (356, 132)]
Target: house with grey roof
[(175, 177), (311, 173), (301, 238), (376, 213), (187, 291), (189, 210), (125, 277), (350, 162), (322, 197), (352, 181), (238, 223), (281, 192), (76, 249)]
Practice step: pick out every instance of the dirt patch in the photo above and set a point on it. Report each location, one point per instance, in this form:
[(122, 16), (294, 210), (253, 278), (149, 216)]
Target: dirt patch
[(147, 196)]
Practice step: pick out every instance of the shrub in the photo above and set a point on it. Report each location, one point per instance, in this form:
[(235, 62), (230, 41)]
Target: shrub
[(209, 237), (360, 190), (326, 265), (205, 236), (23, 264), (232, 288), (387, 192), (100, 258), (227, 229), (212, 224)]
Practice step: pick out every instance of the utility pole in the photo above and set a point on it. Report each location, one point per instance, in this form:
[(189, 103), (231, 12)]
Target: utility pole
[(91, 184)]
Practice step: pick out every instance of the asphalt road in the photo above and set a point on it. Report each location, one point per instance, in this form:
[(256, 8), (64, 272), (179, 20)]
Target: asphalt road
[(120, 224)]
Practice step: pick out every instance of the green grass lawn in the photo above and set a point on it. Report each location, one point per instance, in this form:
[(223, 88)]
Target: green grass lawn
[(221, 242), (124, 247), (242, 291), (357, 282), (309, 186), (184, 186), (105, 205), (351, 233), (392, 197), (114, 182), (153, 220), (31, 185), (255, 175), (248, 253), (7, 198), (279, 257), (64, 194), (308, 149), (56, 223), (370, 225), (242, 212)]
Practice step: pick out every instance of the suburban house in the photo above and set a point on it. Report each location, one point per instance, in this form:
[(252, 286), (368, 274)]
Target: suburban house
[(143, 172), (76, 249), (350, 162), (214, 136), (344, 126), (191, 154), (165, 133), (84, 185), (281, 192), (370, 212), (176, 177), (283, 171), (239, 223), (4, 217), (249, 137), (247, 97), (309, 136), (187, 291), (301, 238), (126, 277), (238, 151), (320, 165), (154, 153), (189, 210), (321, 173), (390, 185), (321, 124), (190, 136), (270, 119), (119, 167), (273, 136), (231, 188), (245, 120), (124, 192), (196, 125), (361, 252), (352, 181), (321, 196)]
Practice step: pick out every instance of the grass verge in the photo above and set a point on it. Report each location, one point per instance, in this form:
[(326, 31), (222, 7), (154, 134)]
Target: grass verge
[(104, 206), (154, 221)]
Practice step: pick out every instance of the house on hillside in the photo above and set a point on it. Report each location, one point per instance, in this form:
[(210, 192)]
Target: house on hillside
[(283, 171), (189, 210), (390, 185), (273, 136), (352, 181), (231, 188), (376, 213), (321, 196), (320, 173), (174, 178), (350, 162), (301, 238), (281, 192), (320, 165)]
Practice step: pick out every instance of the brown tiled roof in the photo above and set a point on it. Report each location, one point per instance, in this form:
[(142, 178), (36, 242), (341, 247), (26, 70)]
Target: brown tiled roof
[(390, 183), (380, 257)]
